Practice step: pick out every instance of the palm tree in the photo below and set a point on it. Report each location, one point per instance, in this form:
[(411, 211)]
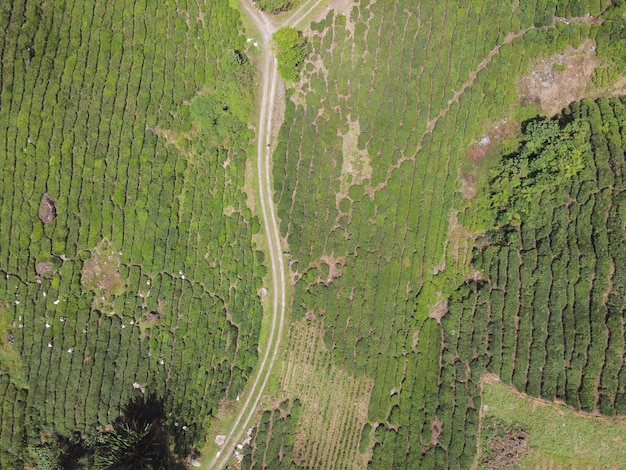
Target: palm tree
[(137, 440)]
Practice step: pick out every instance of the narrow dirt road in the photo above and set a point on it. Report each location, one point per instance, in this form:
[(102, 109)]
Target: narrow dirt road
[(268, 86)]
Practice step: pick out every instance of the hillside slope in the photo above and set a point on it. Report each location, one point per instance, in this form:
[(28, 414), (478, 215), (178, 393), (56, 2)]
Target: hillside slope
[(126, 257)]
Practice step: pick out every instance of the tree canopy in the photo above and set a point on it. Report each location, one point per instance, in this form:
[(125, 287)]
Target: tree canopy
[(290, 50), (275, 6), (549, 153)]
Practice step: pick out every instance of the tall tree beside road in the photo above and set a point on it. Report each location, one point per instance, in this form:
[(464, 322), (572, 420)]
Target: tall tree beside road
[(290, 50)]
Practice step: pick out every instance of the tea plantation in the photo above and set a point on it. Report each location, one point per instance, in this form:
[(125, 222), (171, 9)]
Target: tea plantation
[(127, 265), (449, 178), (400, 264)]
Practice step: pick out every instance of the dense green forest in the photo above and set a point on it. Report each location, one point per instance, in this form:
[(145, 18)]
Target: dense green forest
[(126, 257), (290, 51)]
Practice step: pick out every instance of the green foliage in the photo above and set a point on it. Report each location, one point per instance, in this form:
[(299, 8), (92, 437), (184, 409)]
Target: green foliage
[(10, 360), (133, 118), (549, 154), (137, 440), (552, 431), (554, 333), (273, 440), (407, 94), (276, 6), (223, 114), (290, 50)]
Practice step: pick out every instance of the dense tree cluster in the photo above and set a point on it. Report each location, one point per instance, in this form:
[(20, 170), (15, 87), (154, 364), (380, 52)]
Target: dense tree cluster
[(290, 50), (276, 6), (549, 154), (549, 317)]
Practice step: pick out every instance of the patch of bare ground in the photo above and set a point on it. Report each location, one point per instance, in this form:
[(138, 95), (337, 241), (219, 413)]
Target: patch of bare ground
[(436, 427), (334, 402), (47, 209), (458, 236), (500, 130), (343, 7), (559, 80), (356, 166), (505, 449), (101, 272), (438, 310), (278, 111), (469, 187), (43, 268)]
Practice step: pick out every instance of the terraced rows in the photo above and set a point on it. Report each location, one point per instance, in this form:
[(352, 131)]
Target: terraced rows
[(366, 184), (549, 317), (333, 400), (95, 113)]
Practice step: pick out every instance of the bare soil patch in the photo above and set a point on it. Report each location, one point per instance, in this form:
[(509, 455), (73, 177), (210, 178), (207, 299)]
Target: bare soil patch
[(43, 268), (356, 165), (436, 427), (458, 236), (469, 187), (47, 209), (343, 7), (439, 310), (505, 448), (101, 271), (501, 129), (561, 79), (476, 152)]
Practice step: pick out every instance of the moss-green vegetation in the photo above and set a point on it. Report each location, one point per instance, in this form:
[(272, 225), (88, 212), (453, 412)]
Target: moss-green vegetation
[(132, 116), (10, 360), (550, 153), (555, 433)]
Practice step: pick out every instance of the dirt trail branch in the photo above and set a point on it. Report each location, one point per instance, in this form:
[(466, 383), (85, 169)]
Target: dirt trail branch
[(268, 87)]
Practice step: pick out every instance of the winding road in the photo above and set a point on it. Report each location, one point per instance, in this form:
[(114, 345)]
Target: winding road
[(269, 88)]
